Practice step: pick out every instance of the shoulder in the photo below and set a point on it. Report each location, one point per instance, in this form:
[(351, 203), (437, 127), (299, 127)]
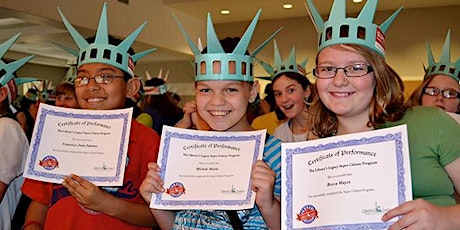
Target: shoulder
[(10, 127), (139, 131)]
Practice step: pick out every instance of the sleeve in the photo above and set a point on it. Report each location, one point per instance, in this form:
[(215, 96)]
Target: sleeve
[(448, 133), (272, 156), (13, 142), (38, 191)]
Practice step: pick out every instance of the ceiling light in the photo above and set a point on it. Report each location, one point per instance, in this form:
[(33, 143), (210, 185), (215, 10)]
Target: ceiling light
[(287, 6), (357, 1), (225, 12)]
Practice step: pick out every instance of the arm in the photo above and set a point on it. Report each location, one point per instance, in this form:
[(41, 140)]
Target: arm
[(92, 197), (263, 180), (35, 216), (420, 214), (154, 184)]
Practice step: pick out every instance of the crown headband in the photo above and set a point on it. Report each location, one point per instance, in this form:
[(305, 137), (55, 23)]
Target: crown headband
[(281, 66), (156, 90), (101, 51), (342, 30), (34, 94), (7, 71), (216, 54), (444, 66)]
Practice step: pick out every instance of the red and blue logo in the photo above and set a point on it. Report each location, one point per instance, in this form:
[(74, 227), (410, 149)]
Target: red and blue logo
[(307, 214), (49, 162), (176, 189)]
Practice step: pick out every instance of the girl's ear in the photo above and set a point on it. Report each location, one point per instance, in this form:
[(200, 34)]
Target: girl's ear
[(132, 86), (307, 91)]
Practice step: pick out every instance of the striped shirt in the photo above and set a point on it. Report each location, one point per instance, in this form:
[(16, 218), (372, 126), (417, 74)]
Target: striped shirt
[(251, 218)]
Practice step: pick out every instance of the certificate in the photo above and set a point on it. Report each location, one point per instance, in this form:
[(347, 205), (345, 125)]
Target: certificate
[(345, 182), (92, 144), (206, 169)]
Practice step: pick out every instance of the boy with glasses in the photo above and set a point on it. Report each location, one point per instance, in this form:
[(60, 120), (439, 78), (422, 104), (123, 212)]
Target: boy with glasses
[(105, 78)]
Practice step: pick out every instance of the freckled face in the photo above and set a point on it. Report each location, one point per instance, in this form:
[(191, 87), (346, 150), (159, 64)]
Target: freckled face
[(223, 104), (345, 96)]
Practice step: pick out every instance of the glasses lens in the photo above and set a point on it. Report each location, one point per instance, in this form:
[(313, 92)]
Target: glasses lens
[(357, 70), (450, 94), (325, 72), (431, 91)]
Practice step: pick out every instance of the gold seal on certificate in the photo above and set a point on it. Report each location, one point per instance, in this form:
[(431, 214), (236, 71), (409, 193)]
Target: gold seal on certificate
[(207, 170), (90, 143), (345, 182)]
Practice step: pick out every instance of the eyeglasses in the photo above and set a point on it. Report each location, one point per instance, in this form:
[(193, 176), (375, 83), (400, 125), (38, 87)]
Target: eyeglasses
[(104, 78), (446, 93), (355, 70)]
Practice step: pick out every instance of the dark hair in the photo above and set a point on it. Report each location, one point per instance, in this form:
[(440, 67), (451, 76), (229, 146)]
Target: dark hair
[(64, 88), (228, 44), (155, 82)]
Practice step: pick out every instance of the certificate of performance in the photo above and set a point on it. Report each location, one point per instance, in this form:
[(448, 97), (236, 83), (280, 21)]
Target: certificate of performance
[(92, 144), (345, 182), (206, 169)]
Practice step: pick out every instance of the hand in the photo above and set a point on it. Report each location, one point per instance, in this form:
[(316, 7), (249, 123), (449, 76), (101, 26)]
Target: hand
[(152, 182), (420, 214), (262, 182), (87, 194)]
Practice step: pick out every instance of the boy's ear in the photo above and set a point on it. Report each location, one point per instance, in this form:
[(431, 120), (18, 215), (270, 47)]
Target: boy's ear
[(132, 86), (3, 93), (254, 91)]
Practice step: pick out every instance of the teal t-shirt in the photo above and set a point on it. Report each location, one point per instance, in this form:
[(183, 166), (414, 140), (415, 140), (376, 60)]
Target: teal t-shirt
[(434, 142)]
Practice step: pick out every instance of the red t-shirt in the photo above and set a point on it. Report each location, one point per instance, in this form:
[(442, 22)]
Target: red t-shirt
[(64, 212)]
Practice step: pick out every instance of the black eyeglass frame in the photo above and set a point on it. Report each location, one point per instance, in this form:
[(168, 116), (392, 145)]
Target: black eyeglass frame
[(345, 69)]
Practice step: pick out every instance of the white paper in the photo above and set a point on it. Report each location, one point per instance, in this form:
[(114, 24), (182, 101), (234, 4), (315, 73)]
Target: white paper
[(92, 144), (207, 170), (345, 182)]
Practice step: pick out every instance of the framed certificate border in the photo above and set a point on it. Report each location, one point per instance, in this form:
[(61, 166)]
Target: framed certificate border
[(47, 110), (395, 137), (168, 135)]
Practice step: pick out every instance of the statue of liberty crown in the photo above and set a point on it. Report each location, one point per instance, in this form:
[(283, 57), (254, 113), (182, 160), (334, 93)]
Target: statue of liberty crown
[(215, 53), (342, 30), (7, 70), (156, 90), (101, 51), (281, 66), (444, 66)]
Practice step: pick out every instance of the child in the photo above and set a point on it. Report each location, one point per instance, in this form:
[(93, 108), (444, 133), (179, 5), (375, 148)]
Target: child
[(224, 86), (358, 91), (13, 140), (105, 78)]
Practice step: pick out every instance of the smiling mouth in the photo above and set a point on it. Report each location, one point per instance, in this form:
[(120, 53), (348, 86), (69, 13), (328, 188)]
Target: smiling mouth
[(97, 99), (219, 113), (287, 107), (341, 94)]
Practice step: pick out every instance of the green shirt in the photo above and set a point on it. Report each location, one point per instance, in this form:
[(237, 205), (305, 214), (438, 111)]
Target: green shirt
[(434, 142)]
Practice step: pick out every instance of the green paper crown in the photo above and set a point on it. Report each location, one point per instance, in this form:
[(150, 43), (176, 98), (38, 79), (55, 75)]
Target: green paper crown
[(281, 66), (155, 90), (7, 70), (215, 53), (342, 30), (444, 66), (101, 51)]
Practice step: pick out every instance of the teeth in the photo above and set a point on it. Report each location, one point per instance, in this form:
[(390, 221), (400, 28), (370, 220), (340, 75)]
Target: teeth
[(341, 94), (95, 99), (219, 113)]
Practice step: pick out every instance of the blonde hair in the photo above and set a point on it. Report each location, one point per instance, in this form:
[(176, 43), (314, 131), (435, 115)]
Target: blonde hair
[(387, 103)]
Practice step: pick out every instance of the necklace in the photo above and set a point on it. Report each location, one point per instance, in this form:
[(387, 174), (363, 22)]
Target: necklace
[(291, 128)]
